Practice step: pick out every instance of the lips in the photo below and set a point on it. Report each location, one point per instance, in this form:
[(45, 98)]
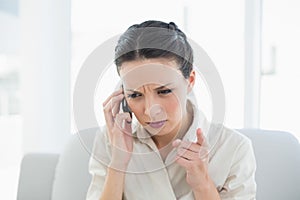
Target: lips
[(157, 124)]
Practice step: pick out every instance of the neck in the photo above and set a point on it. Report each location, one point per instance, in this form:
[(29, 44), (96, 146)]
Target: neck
[(178, 132)]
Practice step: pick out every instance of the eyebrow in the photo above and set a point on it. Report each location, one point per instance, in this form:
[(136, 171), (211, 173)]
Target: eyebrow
[(161, 87), (158, 88)]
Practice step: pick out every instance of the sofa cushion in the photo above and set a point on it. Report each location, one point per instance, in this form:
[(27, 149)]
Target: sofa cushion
[(72, 177), (36, 176), (278, 164)]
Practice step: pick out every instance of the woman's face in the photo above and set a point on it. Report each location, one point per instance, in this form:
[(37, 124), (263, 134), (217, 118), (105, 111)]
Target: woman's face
[(156, 92)]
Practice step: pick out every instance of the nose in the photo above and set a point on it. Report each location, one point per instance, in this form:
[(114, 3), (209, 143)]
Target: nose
[(153, 110), (152, 107)]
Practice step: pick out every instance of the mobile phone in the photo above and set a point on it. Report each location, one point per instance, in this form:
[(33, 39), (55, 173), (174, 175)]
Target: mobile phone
[(125, 107)]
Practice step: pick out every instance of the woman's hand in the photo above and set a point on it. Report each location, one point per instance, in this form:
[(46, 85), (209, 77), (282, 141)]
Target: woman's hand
[(119, 131), (194, 158)]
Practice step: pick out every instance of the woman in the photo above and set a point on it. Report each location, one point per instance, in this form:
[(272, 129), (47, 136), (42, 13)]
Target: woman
[(174, 152)]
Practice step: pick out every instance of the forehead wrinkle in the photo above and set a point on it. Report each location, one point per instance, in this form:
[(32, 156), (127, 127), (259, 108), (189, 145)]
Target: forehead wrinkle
[(162, 86), (144, 87), (137, 89), (138, 78)]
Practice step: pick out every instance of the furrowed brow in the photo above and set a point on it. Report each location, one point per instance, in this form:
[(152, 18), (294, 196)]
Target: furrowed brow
[(163, 86)]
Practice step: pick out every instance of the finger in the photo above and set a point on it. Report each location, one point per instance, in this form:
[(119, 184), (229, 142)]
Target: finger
[(187, 154), (183, 162), (128, 122), (114, 100), (115, 104), (176, 143), (110, 107), (189, 145), (201, 152), (115, 93), (200, 137), (108, 119), (123, 122)]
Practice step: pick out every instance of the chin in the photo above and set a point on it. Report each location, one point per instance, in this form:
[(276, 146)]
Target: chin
[(153, 131), (160, 132)]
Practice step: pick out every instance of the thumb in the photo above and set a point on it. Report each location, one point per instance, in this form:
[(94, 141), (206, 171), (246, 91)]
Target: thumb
[(200, 137), (127, 124)]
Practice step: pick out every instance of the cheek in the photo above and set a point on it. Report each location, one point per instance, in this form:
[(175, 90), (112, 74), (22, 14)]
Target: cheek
[(171, 105), (136, 107), (173, 108)]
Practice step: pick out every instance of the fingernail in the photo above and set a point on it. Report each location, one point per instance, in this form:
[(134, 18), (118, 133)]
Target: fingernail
[(176, 142)]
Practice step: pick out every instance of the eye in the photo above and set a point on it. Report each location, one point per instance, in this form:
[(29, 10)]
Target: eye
[(167, 91), (133, 95)]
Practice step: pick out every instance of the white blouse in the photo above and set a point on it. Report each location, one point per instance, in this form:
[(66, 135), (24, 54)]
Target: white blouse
[(231, 165)]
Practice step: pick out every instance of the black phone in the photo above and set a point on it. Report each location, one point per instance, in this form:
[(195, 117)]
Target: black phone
[(125, 107)]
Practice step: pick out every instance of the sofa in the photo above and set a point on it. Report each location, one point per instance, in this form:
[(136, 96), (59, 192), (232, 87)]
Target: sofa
[(66, 176)]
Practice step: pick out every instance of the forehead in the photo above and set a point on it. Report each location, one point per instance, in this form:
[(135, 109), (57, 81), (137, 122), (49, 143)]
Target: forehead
[(135, 74)]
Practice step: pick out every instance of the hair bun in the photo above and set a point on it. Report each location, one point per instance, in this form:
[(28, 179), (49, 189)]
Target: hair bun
[(172, 26)]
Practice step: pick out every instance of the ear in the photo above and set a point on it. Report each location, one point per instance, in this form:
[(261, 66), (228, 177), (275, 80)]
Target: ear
[(191, 81)]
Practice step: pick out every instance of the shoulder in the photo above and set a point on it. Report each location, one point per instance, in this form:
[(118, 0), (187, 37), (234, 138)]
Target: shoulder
[(229, 146), (220, 135), (234, 153)]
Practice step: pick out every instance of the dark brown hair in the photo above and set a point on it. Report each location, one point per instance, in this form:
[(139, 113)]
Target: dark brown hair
[(155, 39)]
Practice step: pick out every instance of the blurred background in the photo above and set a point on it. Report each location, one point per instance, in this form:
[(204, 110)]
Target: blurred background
[(254, 45)]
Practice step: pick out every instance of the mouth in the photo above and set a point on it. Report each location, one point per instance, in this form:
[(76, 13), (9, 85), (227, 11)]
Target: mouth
[(157, 124)]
